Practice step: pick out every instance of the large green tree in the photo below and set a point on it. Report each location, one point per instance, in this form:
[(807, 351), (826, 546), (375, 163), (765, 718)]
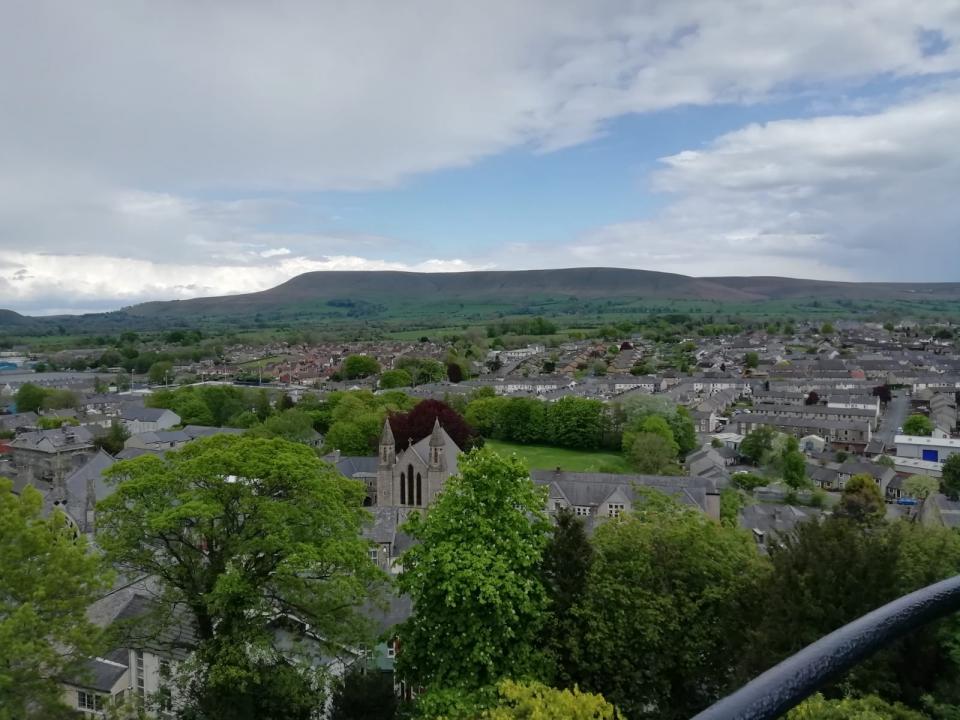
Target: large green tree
[(757, 443), (794, 465), (359, 366), (29, 397), (364, 696), (479, 602), (918, 425), (566, 565), (666, 607), (246, 533), (870, 707), (950, 479), (48, 578), (826, 574), (650, 453), (862, 500)]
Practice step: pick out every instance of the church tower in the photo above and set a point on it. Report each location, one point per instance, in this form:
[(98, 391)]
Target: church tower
[(436, 446), (387, 459), (437, 462)]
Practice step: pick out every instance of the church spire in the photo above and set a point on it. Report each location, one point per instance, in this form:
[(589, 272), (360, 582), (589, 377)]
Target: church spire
[(387, 437), (436, 446), (436, 437), (388, 450)]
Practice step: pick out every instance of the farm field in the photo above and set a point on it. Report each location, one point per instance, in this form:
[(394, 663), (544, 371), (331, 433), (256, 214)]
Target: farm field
[(542, 457)]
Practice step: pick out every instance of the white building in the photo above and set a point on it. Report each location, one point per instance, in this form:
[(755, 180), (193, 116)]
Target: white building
[(930, 449)]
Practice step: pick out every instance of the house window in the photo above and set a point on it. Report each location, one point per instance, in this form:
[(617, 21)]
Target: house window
[(614, 509), (374, 554), (89, 701), (391, 649), (582, 510), (141, 689)]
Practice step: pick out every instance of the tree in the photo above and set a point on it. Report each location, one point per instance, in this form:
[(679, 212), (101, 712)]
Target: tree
[(883, 392), (650, 453), (920, 487), (756, 443), (918, 425), (827, 329), (364, 696), (684, 431), (395, 379), (870, 707), (474, 579), (359, 366), (244, 534), (749, 481), (862, 500), (667, 604), (534, 701), (262, 406), (826, 574), (113, 440), (160, 372), (422, 370), (454, 372), (950, 480), (575, 422), (292, 425), (813, 398), (49, 579), (413, 426), (794, 466), (566, 564), (751, 360), (29, 397)]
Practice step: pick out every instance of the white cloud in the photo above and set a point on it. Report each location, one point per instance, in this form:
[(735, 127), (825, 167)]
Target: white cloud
[(33, 282), (122, 120), (848, 197)]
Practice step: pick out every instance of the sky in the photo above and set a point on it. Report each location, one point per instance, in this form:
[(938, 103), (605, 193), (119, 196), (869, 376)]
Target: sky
[(164, 150)]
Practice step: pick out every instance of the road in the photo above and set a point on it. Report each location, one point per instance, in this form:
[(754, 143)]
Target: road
[(893, 417)]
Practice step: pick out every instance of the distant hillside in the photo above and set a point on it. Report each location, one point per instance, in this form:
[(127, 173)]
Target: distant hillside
[(320, 297)]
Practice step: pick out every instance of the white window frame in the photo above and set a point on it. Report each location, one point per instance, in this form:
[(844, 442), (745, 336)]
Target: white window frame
[(614, 509), (581, 510), (89, 701)]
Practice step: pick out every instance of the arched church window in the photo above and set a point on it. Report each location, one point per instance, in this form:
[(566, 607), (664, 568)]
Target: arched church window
[(419, 496), (403, 489), (410, 484)]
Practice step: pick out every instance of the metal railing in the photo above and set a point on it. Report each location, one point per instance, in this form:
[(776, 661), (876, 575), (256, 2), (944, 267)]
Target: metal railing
[(782, 687)]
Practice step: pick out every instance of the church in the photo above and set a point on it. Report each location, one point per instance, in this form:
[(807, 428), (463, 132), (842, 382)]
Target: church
[(415, 475), (408, 477)]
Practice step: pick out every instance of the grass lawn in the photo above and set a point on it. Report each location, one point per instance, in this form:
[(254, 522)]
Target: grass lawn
[(542, 457)]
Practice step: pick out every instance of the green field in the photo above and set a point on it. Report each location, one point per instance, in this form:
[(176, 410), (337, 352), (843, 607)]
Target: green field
[(542, 457)]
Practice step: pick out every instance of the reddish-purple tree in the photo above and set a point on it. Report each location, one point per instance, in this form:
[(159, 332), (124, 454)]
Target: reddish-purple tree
[(413, 426)]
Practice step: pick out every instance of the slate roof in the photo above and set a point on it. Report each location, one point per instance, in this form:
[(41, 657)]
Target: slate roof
[(142, 413), (76, 487), (593, 489), (101, 674), (352, 466)]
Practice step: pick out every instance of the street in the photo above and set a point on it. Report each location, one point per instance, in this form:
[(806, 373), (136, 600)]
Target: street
[(893, 417)]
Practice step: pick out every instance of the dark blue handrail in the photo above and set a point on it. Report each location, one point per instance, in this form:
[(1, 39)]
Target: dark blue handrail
[(782, 687)]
